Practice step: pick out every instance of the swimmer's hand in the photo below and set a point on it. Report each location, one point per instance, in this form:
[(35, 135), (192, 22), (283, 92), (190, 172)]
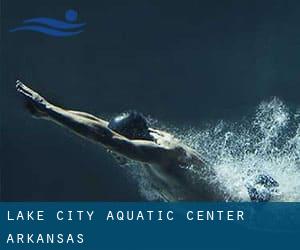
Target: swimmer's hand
[(35, 103)]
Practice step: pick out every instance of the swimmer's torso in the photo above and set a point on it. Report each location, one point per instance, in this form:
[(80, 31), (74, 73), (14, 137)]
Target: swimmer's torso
[(177, 179), (180, 183)]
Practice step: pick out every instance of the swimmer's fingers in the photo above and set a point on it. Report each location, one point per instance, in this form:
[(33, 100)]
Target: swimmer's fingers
[(28, 93), (154, 130), (154, 135), (37, 102), (23, 89), (161, 133)]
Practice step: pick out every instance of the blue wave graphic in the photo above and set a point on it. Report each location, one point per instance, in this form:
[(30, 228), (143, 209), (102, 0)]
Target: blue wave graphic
[(47, 31), (53, 23), (55, 27)]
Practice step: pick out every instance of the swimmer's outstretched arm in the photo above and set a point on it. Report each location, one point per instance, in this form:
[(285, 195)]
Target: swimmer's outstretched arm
[(95, 129)]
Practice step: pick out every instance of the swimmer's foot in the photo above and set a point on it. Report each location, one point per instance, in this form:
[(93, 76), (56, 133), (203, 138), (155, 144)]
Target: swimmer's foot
[(263, 188), (34, 103)]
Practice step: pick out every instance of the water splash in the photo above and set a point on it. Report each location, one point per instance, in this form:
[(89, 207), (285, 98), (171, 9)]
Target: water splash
[(267, 142)]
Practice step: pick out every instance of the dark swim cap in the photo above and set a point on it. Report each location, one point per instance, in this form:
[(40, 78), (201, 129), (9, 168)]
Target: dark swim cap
[(132, 125)]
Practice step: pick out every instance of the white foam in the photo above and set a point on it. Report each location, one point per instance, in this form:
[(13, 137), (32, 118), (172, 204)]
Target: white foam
[(268, 142)]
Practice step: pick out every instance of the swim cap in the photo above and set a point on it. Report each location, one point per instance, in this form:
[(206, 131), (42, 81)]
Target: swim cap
[(132, 125)]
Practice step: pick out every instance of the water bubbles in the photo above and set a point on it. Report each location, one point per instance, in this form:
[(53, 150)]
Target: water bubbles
[(259, 144)]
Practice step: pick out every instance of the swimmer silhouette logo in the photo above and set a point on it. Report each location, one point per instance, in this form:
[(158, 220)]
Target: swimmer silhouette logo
[(53, 27)]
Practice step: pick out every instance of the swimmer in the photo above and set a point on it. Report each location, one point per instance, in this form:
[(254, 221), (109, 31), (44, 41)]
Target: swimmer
[(129, 136)]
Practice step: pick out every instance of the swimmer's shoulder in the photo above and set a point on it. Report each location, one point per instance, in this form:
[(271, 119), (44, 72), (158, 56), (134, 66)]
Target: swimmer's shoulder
[(185, 155)]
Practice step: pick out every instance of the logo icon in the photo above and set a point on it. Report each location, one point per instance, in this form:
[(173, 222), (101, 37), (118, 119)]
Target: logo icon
[(53, 27)]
